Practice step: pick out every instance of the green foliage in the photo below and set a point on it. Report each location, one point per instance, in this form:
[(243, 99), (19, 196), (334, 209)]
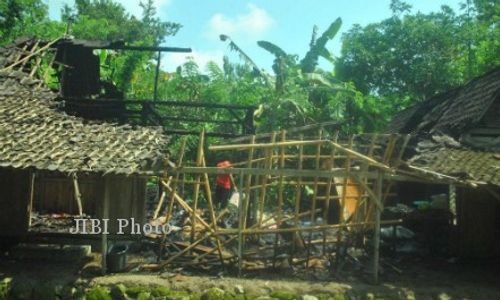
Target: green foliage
[(318, 48), (26, 18), (5, 285), (216, 294), (384, 66), (284, 295), (108, 20), (411, 57), (98, 293)]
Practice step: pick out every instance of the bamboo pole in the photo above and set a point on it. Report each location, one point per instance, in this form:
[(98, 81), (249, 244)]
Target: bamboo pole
[(280, 194), (376, 236), (362, 157), (308, 228), (31, 51), (248, 183), (177, 176), (208, 192), (298, 190), (240, 227), (262, 193), (315, 195), (196, 192), (254, 226), (186, 206), (287, 157), (327, 200), (160, 204), (265, 145), (27, 57)]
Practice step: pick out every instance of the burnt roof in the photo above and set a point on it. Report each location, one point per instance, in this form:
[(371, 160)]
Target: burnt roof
[(451, 112), (34, 133)]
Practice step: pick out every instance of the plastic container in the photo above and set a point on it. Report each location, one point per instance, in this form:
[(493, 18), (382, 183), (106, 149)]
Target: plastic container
[(116, 259)]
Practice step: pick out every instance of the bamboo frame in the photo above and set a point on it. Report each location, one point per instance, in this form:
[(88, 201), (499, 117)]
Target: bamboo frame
[(286, 175)]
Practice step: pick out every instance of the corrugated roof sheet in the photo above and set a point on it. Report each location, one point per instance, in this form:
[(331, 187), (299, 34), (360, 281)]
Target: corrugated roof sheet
[(35, 133)]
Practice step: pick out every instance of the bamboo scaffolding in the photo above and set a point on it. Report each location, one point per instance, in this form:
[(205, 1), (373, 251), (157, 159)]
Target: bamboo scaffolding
[(272, 180)]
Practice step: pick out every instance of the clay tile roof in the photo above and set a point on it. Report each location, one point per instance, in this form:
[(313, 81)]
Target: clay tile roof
[(463, 163), (453, 111), (34, 133)]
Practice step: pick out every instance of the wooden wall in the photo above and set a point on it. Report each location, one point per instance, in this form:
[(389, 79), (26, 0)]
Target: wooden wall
[(14, 196), (127, 200), (54, 193), (477, 223)]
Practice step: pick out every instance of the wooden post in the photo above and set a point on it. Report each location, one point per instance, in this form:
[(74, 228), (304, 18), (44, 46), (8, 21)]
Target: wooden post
[(157, 73), (32, 195), (376, 234), (105, 216), (78, 195)]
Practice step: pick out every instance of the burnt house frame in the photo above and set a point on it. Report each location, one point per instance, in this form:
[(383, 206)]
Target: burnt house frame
[(85, 95)]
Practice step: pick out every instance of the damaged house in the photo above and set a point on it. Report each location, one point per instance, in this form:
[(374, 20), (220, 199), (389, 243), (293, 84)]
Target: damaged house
[(457, 133), (56, 163)]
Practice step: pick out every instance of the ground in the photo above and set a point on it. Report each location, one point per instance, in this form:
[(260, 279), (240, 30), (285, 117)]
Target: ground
[(430, 279)]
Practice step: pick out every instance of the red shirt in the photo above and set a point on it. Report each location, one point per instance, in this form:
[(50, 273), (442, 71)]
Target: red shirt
[(224, 180)]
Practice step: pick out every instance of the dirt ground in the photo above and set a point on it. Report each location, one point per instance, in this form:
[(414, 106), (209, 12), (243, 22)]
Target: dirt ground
[(430, 279)]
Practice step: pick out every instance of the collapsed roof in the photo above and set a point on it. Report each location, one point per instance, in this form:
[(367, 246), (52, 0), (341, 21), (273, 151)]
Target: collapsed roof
[(451, 112), (35, 133), (444, 125)]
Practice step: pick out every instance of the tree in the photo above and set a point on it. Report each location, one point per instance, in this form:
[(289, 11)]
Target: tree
[(26, 18), (411, 57), (107, 20)]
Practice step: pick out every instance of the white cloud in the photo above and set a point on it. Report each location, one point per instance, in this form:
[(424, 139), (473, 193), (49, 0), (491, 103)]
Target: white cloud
[(171, 61), (252, 24)]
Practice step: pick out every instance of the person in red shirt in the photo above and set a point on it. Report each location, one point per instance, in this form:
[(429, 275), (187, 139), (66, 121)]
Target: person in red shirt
[(223, 186)]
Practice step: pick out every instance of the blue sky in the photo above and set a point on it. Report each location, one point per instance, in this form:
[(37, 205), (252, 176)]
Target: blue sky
[(286, 23)]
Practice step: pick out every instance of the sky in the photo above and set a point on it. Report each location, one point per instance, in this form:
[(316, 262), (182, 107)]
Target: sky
[(286, 23)]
